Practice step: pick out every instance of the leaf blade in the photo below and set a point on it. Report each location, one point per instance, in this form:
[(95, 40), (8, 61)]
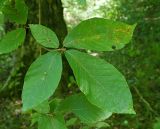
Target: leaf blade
[(12, 40), (41, 80), (100, 35), (103, 85), (50, 122), (43, 107), (44, 36), (81, 107)]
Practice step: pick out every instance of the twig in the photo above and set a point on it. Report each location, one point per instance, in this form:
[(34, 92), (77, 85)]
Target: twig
[(61, 49), (145, 101), (152, 19), (8, 80), (40, 46)]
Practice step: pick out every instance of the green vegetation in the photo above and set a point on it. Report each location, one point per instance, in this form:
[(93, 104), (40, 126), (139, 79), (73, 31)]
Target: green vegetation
[(50, 77)]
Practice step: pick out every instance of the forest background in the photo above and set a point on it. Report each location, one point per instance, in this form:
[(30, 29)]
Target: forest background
[(139, 61)]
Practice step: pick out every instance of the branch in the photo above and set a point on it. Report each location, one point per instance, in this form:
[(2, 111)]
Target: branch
[(152, 19), (145, 101)]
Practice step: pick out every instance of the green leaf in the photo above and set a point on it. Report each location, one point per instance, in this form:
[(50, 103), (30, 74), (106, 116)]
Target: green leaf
[(103, 85), (12, 40), (100, 125), (41, 80), (71, 122), (54, 103), (44, 36), (17, 12), (43, 107), (99, 34), (81, 107), (34, 118), (50, 122)]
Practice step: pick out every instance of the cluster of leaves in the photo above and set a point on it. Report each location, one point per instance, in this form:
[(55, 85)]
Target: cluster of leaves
[(140, 61), (104, 89), (15, 11)]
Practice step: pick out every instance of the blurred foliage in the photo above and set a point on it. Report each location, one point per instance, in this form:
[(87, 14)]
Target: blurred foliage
[(139, 61), (1, 24), (11, 117)]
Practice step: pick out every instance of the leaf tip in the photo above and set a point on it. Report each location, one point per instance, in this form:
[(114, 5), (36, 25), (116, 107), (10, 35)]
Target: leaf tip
[(131, 111)]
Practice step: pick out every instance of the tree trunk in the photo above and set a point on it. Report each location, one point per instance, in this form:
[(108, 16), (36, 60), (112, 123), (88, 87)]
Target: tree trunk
[(52, 16)]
